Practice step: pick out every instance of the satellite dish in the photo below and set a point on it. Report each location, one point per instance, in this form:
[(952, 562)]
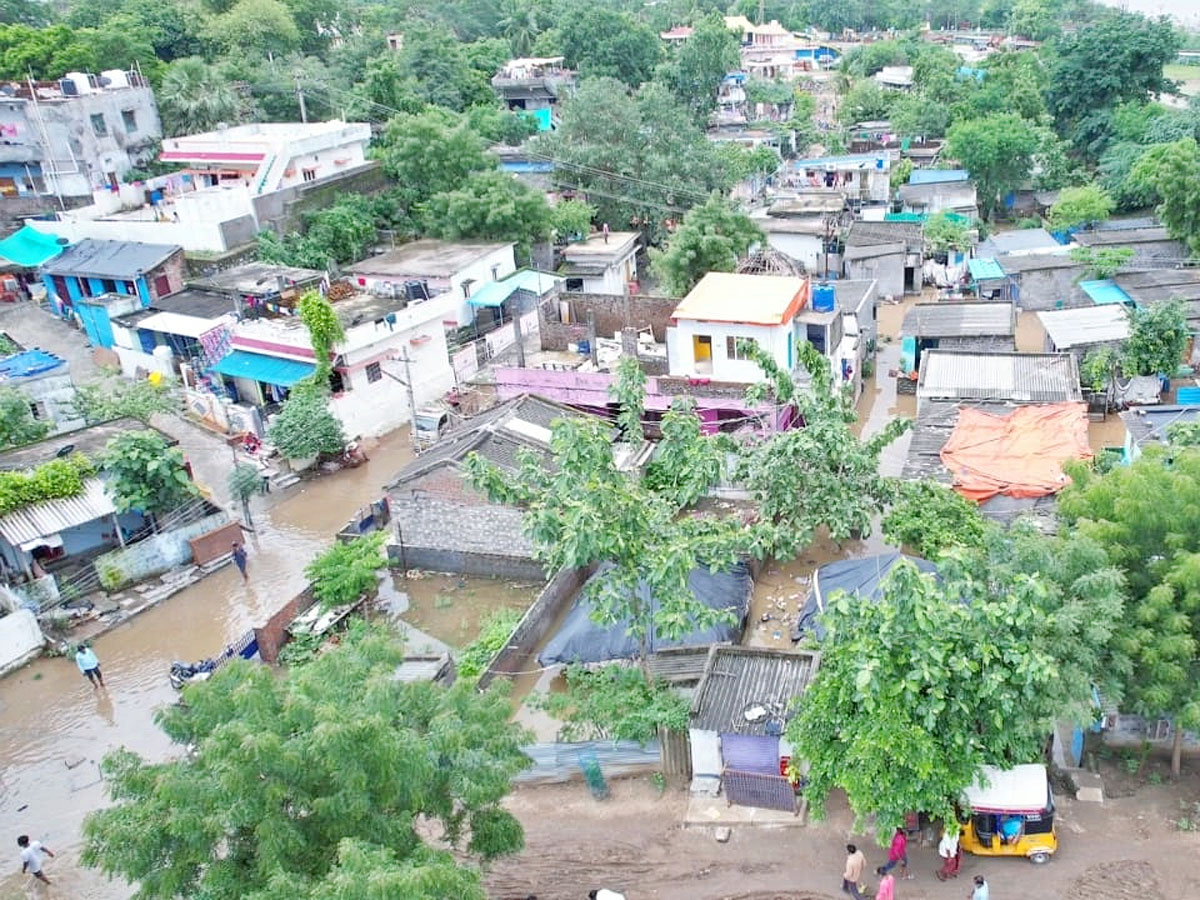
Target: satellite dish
[(65, 450)]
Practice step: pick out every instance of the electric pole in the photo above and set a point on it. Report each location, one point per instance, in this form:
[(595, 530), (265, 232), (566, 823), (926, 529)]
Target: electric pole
[(300, 97)]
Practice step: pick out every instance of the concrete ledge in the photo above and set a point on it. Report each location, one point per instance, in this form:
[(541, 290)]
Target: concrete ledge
[(713, 812)]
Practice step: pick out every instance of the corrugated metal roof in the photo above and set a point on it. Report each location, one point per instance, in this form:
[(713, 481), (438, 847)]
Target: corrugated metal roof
[(984, 268), (1016, 241), (934, 320), (267, 369), (1019, 377), (738, 679), (1150, 423), (54, 516), (110, 259), (1085, 325), (1104, 291), (495, 293), (1116, 237)]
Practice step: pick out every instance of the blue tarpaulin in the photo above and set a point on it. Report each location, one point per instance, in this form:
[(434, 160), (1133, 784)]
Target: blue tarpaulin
[(27, 363), (1104, 291), (937, 176), (494, 293), (30, 247), (267, 369), (984, 269)]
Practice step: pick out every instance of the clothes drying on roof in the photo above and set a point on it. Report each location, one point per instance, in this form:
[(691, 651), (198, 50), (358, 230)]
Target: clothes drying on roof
[(1020, 454), (580, 639), (860, 578)]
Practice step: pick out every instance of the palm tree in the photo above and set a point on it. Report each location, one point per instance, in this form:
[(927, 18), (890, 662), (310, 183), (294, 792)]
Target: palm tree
[(194, 97), (519, 25)]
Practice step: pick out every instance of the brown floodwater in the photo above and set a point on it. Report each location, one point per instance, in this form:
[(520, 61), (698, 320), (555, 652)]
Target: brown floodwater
[(54, 729), (452, 608)]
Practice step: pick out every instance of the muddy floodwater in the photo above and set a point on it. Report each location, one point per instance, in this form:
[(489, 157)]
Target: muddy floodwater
[(54, 728), (452, 608)]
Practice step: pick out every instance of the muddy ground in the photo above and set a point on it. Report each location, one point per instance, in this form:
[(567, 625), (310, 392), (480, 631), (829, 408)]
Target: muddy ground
[(1128, 848)]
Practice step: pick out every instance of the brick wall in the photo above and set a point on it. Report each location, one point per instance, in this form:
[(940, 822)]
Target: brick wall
[(175, 269), (272, 634), (207, 266), (519, 652), (613, 313), (283, 211), (215, 544)]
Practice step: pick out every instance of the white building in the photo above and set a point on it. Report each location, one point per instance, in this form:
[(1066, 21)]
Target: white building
[(388, 343), (430, 268), (270, 156), (602, 265), (69, 137)]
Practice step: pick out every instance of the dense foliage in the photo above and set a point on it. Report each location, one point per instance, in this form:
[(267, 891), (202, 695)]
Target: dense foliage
[(115, 397), (315, 783), (931, 518), (144, 473), (347, 570), (17, 423), (711, 238), (617, 703), (496, 629), (305, 426), (53, 480)]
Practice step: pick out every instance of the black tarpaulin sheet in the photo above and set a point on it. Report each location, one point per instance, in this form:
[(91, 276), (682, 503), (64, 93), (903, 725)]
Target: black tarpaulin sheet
[(861, 578)]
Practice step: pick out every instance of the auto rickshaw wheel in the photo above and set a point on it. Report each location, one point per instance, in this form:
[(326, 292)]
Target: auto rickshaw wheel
[(1039, 858)]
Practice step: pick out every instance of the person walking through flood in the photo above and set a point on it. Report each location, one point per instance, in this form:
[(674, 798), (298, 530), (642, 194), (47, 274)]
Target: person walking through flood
[(89, 665)]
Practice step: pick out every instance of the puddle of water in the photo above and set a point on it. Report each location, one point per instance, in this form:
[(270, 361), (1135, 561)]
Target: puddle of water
[(49, 713), (1031, 336), (452, 608)]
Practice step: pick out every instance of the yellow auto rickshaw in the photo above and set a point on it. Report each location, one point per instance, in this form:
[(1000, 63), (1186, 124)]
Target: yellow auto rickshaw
[(1010, 812)]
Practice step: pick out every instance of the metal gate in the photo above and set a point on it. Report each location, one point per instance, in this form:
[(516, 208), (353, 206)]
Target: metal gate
[(756, 789), (750, 753)]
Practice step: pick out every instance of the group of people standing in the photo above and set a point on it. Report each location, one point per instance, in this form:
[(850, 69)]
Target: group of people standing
[(948, 850)]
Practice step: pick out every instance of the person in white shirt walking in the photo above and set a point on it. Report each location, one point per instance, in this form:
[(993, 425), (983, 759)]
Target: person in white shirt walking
[(980, 892), (31, 857), (604, 894)]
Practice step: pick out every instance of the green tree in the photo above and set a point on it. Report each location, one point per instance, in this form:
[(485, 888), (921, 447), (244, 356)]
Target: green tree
[(1012, 82), (1085, 205), (17, 424), (1118, 57), (311, 784), (640, 160), (615, 703), (939, 677), (1036, 20), (945, 233), (489, 206), (520, 26), (1172, 171), (602, 42), (866, 101), (256, 27), (695, 74), (1158, 335), (1104, 262), (932, 518), (1115, 175), (144, 473), (821, 475), (245, 480), (1145, 515), (305, 427), (711, 239), (998, 152), (500, 125), (346, 571), (635, 533), (900, 174), (430, 153), (193, 97), (571, 219)]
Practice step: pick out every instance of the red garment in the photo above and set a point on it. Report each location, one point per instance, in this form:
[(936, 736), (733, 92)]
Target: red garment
[(950, 866), (899, 848)]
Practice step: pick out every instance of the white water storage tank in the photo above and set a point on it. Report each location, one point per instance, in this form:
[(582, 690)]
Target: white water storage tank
[(823, 297)]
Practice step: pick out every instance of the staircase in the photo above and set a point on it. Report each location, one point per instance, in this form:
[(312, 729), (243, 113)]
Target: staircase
[(270, 173)]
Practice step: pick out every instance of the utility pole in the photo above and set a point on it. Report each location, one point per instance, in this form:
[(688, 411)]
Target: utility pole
[(520, 341), (300, 97), (412, 400)]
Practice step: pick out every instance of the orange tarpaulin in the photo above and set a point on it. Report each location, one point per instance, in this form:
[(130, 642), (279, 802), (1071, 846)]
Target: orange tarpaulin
[(1020, 454)]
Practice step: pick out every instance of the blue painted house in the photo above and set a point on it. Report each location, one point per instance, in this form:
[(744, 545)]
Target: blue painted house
[(96, 281)]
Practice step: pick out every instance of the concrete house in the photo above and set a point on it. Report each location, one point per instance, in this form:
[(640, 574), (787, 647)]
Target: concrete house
[(956, 326), (534, 85), (737, 722), (890, 253), (799, 223), (602, 266), (96, 281), (932, 191), (67, 138), (45, 381), (1041, 280), (430, 268), (864, 178), (390, 347)]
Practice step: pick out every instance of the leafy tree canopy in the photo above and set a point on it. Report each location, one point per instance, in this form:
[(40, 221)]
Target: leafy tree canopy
[(305, 427), (603, 42), (1172, 171), (145, 474), (711, 238), (932, 518), (944, 233), (1158, 336), (429, 153), (616, 703), (1087, 205), (195, 97), (489, 206), (998, 152), (696, 72), (311, 784), (346, 571)]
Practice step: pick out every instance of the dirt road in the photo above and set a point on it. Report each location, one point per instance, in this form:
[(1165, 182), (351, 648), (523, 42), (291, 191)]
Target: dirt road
[(1124, 849)]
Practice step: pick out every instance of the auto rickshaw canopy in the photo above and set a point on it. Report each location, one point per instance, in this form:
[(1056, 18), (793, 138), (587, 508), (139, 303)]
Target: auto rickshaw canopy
[(1021, 790)]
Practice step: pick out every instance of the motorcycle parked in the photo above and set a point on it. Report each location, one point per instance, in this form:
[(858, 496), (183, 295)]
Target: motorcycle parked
[(186, 673)]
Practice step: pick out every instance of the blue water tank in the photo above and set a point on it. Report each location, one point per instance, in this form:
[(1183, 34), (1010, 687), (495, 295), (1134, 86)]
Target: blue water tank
[(823, 298)]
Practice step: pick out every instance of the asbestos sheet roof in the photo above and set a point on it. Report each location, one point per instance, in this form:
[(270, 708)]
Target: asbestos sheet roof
[(738, 680), (1017, 377), (862, 234), (1150, 423), (110, 259), (1020, 240), (1085, 325), (935, 320), (1121, 236), (53, 516)]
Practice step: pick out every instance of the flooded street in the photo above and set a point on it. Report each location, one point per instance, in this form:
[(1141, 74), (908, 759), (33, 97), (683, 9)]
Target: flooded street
[(50, 718), (452, 608)]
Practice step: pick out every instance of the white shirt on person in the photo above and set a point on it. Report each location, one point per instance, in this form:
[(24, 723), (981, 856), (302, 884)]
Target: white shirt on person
[(32, 857)]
